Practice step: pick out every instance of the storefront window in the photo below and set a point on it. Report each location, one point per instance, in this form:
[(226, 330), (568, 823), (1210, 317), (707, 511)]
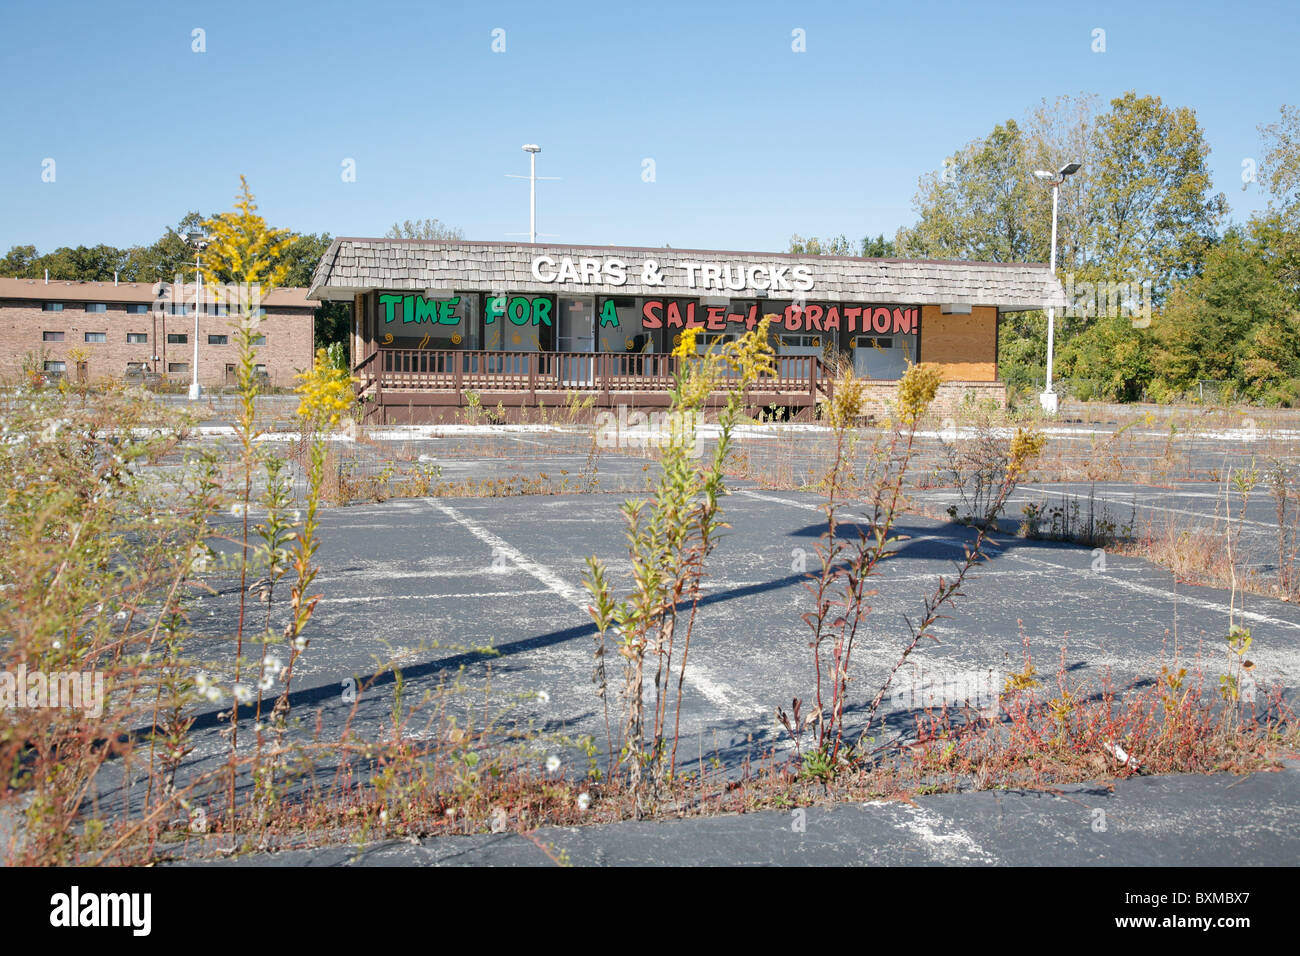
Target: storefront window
[(620, 326), (883, 356), (518, 323), (414, 321)]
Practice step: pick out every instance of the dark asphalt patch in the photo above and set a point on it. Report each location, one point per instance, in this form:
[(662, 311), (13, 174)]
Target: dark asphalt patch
[(1183, 820)]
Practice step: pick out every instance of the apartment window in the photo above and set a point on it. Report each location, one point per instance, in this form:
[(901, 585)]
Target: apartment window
[(177, 338), (137, 338), (96, 306), (178, 308), (96, 336), (137, 308), (57, 368), (257, 340), (178, 368), (53, 307), (51, 336), (217, 340)]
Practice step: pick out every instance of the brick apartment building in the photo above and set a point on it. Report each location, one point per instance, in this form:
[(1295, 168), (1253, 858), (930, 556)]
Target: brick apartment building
[(95, 331)]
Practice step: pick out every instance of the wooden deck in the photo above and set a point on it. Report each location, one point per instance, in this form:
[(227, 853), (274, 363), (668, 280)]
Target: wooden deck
[(424, 385)]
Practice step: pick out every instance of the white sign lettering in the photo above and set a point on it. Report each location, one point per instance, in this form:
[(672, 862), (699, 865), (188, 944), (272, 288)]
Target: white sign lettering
[(725, 277), (586, 271)]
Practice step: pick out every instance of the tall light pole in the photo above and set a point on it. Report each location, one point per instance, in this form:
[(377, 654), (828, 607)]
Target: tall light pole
[(198, 238), (532, 149), (1048, 398)]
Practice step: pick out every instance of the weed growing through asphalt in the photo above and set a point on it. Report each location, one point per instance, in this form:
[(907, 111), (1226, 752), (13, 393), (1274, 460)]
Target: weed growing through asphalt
[(841, 592), (670, 537)]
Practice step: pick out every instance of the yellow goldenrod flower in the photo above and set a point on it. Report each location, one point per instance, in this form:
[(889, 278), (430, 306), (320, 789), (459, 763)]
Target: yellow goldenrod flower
[(325, 394), (916, 391), (241, 248), (1025, 447), (686, 344)]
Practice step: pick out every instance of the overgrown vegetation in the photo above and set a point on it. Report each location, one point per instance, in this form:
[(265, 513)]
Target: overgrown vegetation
[(670, 537), (124, 536)]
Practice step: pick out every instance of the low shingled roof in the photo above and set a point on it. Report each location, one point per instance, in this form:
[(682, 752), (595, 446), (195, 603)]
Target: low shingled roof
[(352, 265)]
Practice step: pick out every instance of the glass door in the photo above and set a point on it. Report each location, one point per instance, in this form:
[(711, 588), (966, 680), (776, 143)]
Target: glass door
[(576, 333)]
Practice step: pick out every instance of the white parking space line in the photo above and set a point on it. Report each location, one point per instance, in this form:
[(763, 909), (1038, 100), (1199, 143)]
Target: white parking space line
[(1106, 576), (1145, 507), (780, 501), (376, 598), (379, 573), (945, 841), (732, 702), (578, 598), (1150, 591)]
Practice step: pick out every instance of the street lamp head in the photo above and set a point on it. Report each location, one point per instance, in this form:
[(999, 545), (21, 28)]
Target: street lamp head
[(1069, 168), (532, 148), (1043, 175), (196, 237)]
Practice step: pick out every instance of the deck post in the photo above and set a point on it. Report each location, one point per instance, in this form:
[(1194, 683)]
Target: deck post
[(532, 379)]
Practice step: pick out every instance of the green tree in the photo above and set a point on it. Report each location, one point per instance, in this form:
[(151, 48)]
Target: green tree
[(302, 256), (18, 263), (1139, 209), (1235, 322), (1281, 171), (169, 256), (333, 320), (878, 248), (423, 229), (1109, 359), (984, 205), (1153, 215), (1022, 350), (1278, 229), (812, 246)]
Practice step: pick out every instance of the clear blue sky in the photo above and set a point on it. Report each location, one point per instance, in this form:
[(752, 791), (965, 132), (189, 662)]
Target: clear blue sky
[(751, 141)]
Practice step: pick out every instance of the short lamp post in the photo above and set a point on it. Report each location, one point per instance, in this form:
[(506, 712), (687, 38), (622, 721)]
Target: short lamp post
[(199, 240), (1048, 398)]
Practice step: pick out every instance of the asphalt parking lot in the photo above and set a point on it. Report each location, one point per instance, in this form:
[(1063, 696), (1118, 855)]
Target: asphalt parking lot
[(427, 584), (488, 590)]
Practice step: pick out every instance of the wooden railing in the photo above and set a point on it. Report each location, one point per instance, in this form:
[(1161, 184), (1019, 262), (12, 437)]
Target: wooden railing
[(460, 370), (367, 381)]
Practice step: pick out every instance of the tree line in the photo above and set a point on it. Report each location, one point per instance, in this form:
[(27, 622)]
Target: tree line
[(1166, 293)]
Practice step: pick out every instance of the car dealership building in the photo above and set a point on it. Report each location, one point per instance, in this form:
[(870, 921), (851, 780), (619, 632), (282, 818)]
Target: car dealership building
[(438, 325)]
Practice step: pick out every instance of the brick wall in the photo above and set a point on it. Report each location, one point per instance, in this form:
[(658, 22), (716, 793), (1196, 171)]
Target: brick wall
[(289, 341), (879, 396)]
